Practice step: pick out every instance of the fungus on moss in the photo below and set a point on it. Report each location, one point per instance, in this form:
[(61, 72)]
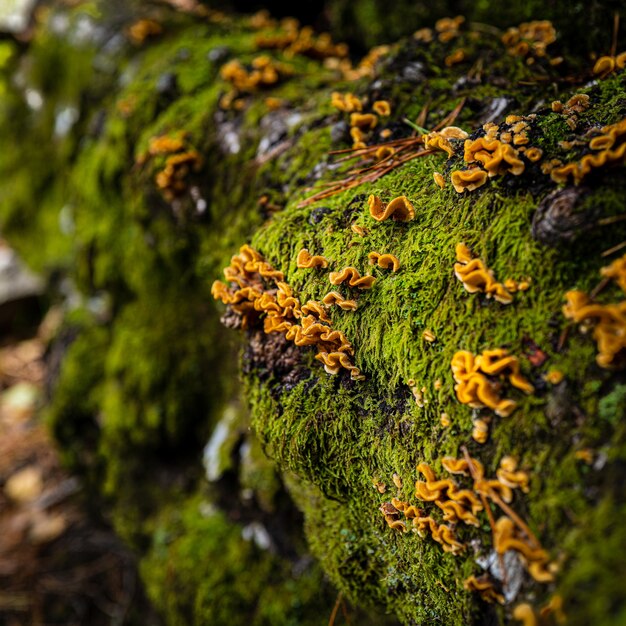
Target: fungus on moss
[(474, 379), (609, 148), (305, 260), (382, 108), (386, 261), (363, 121), (346, 102), (353, 277), (468, 180), (485, 587), (334, 297), (475, 276), (399, 209)]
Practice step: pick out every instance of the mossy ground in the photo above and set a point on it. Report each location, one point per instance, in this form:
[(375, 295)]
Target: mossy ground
[(150, 374)]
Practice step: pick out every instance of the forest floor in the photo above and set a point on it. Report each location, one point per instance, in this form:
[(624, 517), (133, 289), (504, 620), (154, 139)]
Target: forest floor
[(58, 564)]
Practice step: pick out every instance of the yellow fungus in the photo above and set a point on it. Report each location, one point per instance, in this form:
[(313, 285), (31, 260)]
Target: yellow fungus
[(554, 377), (353, 277), (305, 260), (364, 121), (386, 261), (468, 180), (399, 209), (484, 587), (444, 419), (533, 154), (440, 181), (334, 297), (429, 336), (382, 108)]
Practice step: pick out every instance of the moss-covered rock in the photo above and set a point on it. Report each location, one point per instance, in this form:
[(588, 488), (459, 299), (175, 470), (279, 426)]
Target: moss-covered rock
[(132, 234)]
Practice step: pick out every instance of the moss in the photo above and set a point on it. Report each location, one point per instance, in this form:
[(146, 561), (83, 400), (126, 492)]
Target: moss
[(241, 583)]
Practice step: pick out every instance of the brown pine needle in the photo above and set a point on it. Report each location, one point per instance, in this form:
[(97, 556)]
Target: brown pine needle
[(368, 169), (331, 621)]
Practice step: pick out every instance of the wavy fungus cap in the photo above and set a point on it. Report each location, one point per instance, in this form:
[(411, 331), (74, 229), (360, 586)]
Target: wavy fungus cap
[(468, 180), (399, 209)]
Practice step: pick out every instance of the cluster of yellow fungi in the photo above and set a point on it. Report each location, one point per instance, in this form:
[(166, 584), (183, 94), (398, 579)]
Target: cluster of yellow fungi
[(294, 40), (142, 29), (446, 29), (527, 616), (463, 505), (606, 65), (305, 260), (478, 379), (476, 278), (529, 39), (608, 320), (440, 140), (576, 105), (608, 147), (399, 209), (346, 102), (180, 161), (386, 261), (263, 72), (484, 586), (352, 277), (361, 124), (306, 325)]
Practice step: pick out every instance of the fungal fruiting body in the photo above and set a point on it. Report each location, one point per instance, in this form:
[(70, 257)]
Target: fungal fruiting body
[(477, 278), (468, 180), (386, 261), (475, 384), (485, 587), (608, 320), (458, 505), (346, 102), (440, 139), (252, 299), (608, 146), (305, 260), (334, 297), (607, 64), (529, 38), (352, 276), (399, 209)]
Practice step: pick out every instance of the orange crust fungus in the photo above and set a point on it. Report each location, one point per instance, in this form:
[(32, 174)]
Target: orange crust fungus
[(609, 320), (304, 260), (468, 180), (399, 209), (507, 536), (382, 108), (363, 121), (142, 29), (529, 38), (253, 299), (334, 297), (477, 278), (346, 102), (440, 181), (448, 28), (474, 385), (386, 261), (497, 158), (609, 147), (353, 277), (605, 65), (485, 587)]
